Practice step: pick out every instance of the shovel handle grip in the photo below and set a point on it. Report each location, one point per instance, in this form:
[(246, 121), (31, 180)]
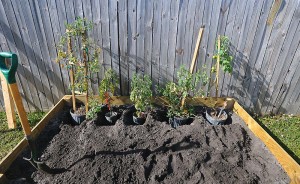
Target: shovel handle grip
[(9, 73)]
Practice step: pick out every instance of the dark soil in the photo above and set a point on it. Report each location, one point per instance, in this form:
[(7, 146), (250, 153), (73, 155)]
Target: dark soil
[(150, 153)]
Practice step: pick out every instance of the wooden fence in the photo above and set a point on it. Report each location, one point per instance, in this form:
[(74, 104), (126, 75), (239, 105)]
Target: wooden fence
[(155, 37)]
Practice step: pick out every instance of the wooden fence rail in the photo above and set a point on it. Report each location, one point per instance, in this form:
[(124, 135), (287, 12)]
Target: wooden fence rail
[(155, 37)]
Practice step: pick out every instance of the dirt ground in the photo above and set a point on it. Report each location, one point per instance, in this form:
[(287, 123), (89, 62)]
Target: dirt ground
[(150, 153)]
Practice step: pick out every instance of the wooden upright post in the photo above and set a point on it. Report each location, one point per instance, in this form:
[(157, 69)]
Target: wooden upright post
[(218, 66), (9, 104)]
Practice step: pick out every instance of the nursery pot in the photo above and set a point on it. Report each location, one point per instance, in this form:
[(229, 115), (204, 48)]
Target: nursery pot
[(177, 121), (139, 120), (112, 117), (78, 118), (215, 118)]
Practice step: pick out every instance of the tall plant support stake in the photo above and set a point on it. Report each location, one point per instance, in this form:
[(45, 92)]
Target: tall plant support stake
[(85, 52), (71, 73), (218, 66), (196, 51), (8, 103)]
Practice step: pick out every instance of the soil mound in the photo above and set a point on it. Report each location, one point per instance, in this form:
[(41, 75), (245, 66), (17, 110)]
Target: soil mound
[(151, 153)]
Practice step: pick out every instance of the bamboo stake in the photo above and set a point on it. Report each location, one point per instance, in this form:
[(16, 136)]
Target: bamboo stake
[(218, 66), (85, 73), (71, 73), (196, 51)]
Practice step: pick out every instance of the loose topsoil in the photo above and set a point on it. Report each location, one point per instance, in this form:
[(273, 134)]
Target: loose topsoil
[(150, 153)]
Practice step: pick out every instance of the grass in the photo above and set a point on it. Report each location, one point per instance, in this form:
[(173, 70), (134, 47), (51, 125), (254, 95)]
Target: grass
[(285, 129), (9, 138)]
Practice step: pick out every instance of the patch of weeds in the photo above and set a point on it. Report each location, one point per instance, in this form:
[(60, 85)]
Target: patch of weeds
[(285, 129), (9, 138)]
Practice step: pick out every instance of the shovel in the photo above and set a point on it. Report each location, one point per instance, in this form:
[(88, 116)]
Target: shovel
[(9, 74)]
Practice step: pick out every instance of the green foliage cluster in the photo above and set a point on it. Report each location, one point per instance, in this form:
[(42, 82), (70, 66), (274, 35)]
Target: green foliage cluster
[(141, 92), (108, 85), (77, 33), (225, 56), (187, 84)]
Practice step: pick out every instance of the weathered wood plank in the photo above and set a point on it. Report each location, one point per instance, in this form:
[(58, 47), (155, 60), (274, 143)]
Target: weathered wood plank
[(180, 50), (38, 19), (123, 39), (240, 59), (15, 44), (114, 39), (262, 33), (132, 38), (286, 68), (95, 8), (272, 52), (164, 43), (49, 23), (211, 41), (173, 27), (188, 35), (156, 43), (140, 36), (37, 55), (228, 32), (148, 37)]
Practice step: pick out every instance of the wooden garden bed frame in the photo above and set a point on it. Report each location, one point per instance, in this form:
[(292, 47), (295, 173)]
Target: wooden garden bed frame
[(288, 163)]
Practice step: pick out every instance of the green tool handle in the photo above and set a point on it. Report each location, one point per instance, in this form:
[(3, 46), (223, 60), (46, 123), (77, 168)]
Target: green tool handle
[(9, 73)]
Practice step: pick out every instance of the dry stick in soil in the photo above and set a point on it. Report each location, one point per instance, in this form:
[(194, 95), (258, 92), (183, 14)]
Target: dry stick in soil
[(196, 51)]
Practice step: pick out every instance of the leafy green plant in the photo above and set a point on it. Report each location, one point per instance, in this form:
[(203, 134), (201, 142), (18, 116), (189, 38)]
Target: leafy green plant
[(107, 86), (95, 107), (225, 56), (141, 93), (77, 53), (175, 93), (223, 59)]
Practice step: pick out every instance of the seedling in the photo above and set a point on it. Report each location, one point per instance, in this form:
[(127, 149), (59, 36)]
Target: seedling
[(175, 93), (224, 59), (141, 93)]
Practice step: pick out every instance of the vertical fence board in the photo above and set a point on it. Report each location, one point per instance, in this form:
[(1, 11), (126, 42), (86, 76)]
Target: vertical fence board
[(156, 37)]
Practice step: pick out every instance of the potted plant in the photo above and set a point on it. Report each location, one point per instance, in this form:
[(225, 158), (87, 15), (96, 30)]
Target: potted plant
[(81, 59), (141, 95), (218, 116), (176, 93), (106, 91)]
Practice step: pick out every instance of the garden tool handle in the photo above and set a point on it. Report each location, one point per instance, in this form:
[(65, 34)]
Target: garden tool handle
[(9, 74)]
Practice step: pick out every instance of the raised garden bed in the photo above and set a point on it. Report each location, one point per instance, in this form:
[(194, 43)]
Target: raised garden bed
[(154, 152)]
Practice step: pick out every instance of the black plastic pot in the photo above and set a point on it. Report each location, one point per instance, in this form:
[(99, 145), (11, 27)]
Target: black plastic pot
[(213, 119), (139, 120), (112, 116), (77, 118), (177, 121)]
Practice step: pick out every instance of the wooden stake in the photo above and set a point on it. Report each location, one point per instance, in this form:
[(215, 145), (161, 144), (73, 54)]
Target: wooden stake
[(218, 66), (196, 51), (71, 73), (85, 61), (9, 104)]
